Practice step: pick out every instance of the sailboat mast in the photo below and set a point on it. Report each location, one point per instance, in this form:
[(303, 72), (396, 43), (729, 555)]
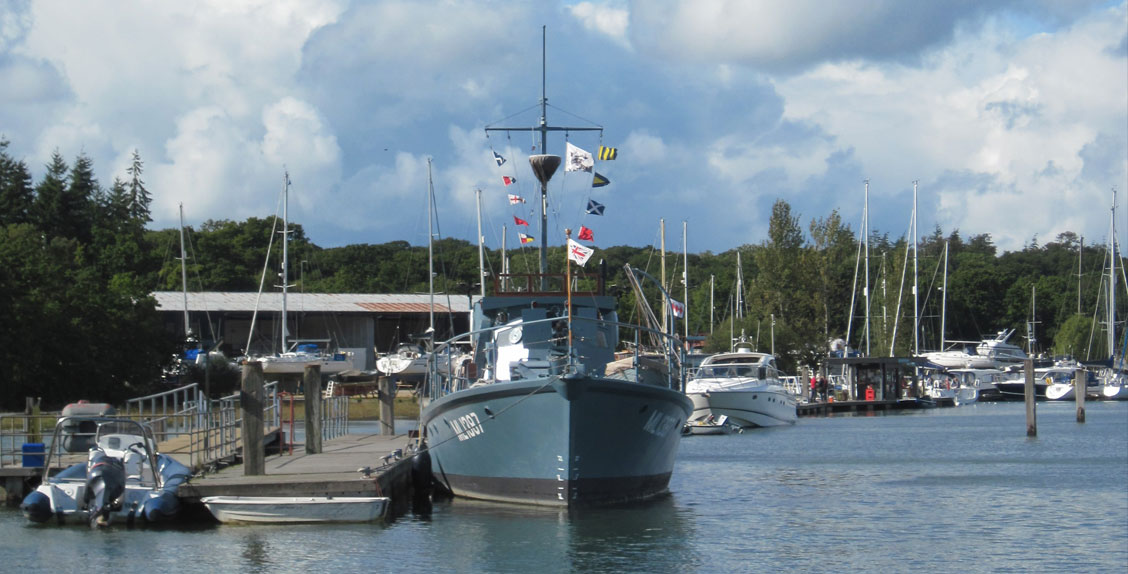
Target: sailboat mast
[(685, 278), (481, 254), (665, 303), (504, 260), (1112, 279), (711, 304), (739, 288), (884, 300), (944, 300), (285, 253), (184, 274), (916, 297), (431, 247), (866, 289)]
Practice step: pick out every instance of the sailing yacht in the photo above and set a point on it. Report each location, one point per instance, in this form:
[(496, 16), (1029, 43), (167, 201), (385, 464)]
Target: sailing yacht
[(1114, 383), (305, 352)]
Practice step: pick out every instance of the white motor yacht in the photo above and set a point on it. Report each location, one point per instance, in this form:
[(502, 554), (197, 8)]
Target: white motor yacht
[(744, 386)]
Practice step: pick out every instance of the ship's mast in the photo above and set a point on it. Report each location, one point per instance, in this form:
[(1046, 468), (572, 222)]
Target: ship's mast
[(543, 128)]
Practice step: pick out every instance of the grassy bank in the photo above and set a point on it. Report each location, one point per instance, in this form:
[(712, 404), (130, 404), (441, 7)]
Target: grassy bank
[(364, 409)]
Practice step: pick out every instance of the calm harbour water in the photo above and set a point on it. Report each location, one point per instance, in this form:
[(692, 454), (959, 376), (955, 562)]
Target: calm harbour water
[(947, 490)]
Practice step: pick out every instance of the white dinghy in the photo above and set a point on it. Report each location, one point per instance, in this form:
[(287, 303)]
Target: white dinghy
[(295, 509)]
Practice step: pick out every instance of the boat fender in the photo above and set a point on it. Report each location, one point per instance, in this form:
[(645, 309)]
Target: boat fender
[(421, 471)]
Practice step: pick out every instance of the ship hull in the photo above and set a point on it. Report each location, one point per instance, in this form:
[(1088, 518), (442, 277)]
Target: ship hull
[(556, 441)]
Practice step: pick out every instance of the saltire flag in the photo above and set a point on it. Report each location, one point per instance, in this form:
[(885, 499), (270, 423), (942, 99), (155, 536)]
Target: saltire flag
[(578, 159), (515, 199), (677, 308), (594, 207), (606, 153), (599, 180), (519, 221), (579, 253), (508, 180), (585, 234), (524, 238), (497, 157)]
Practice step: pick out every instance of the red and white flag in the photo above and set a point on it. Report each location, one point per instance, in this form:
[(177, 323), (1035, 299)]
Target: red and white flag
[(579, 253), (677, 308), (515, 199)]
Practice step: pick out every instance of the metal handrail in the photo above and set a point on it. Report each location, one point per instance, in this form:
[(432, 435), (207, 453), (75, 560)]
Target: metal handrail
[(212, 427), (462, 382)]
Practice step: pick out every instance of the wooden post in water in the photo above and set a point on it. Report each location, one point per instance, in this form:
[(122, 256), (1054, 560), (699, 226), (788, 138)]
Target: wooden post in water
[(251, 402), (35, 429), (387, 406), (311, 383), (1079, 379), (1031, 400)]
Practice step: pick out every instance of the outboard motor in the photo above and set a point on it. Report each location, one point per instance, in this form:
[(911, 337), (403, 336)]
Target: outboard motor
[(105, 485)]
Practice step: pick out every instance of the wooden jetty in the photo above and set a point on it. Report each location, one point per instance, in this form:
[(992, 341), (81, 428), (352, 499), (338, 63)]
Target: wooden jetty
[(864, 407), (335, 471)]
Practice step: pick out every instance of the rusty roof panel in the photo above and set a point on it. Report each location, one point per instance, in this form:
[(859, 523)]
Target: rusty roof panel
[(310, 302)]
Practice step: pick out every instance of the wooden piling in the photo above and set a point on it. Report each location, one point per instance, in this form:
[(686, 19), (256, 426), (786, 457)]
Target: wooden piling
[(311, 382), (387, 392), (1031, 400), (31, 408), (251, 403), (1079, 380)]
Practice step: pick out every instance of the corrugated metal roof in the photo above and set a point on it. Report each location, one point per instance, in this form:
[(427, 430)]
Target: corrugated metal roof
[(312, 302)]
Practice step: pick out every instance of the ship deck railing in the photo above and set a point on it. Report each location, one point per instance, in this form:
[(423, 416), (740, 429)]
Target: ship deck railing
[(453, 380)]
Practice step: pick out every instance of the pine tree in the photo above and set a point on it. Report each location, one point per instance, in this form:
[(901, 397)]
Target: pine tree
[(15, 188), (82, 199), (139, 197), (50, 198), (118, 203)]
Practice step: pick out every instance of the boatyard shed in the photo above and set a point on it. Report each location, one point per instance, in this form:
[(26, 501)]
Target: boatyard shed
[(365, 324), (875, 378)]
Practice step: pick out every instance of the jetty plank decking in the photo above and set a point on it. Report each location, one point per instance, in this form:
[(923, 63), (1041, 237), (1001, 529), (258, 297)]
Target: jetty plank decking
[(333, 472)]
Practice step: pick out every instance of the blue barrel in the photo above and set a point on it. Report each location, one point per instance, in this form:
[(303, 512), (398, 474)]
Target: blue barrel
[(33, 456)]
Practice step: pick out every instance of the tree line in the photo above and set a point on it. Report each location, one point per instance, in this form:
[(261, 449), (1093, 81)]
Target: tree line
[(78, 266)]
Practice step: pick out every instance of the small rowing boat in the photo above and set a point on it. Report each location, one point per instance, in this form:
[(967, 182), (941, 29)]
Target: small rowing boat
[(295, 509)]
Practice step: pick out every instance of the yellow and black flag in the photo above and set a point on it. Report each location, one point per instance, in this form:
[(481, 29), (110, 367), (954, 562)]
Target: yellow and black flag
[(608, 153)]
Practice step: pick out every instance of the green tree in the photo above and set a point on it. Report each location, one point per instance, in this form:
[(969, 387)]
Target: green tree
[(139, 197), (16, 193)]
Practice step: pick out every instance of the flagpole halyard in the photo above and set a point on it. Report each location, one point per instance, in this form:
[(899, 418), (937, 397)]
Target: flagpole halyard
[(568, 284)]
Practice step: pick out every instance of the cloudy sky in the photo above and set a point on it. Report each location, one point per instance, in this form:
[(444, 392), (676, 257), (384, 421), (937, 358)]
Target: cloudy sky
[(1012, 115)]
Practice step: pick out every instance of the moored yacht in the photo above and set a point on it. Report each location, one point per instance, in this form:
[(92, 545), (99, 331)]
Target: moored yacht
[(744, 386), (1014, 387), (1000, 351)]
